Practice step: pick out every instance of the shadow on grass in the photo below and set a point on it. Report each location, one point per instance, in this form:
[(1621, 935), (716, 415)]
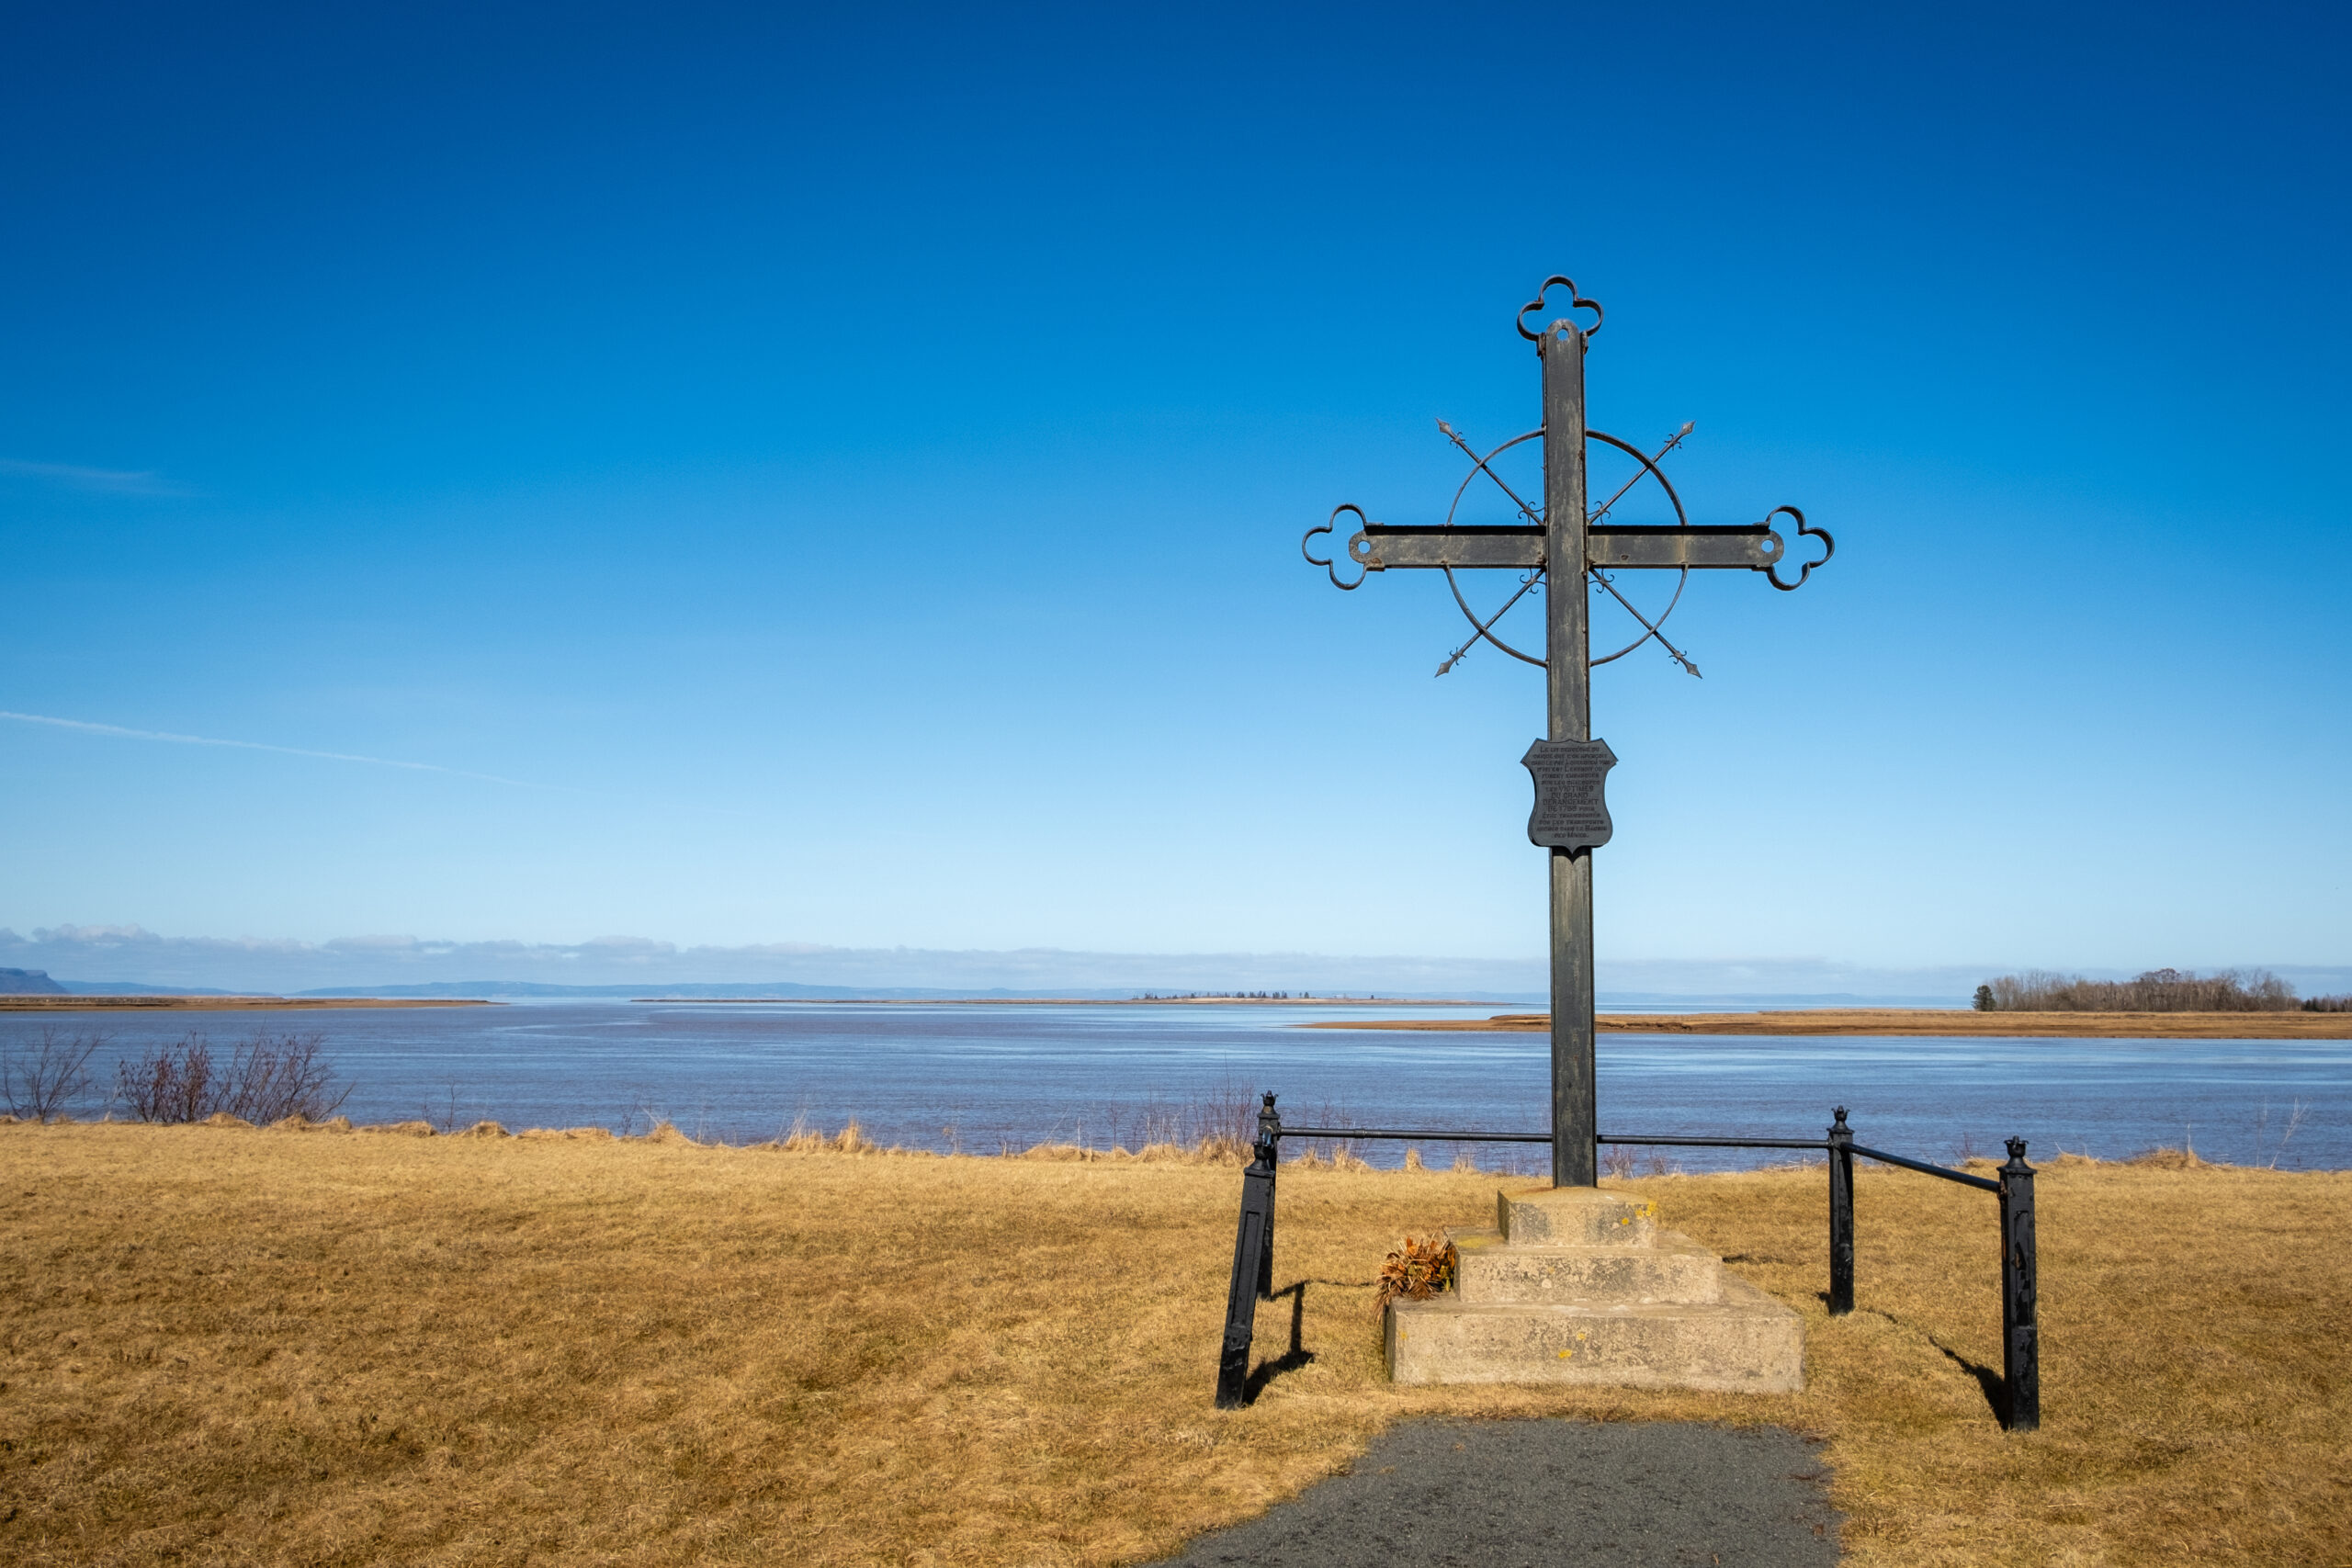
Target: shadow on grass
[(1290, 1359), (1996, 1386)]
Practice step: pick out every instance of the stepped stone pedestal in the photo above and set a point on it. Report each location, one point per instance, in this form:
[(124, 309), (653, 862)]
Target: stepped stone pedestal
[(1575, 1285)]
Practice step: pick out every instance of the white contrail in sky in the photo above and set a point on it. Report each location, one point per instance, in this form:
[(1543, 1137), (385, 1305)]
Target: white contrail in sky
[(90, 728), (110, 481)]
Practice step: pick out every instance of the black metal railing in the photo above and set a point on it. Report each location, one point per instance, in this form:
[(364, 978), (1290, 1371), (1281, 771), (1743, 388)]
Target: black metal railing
[(1253, 1245)]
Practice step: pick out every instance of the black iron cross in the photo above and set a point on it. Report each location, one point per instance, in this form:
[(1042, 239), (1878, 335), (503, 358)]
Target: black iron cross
[(1569, 818)]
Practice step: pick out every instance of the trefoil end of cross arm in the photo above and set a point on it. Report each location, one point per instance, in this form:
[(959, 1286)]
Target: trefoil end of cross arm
[(1805, 531)]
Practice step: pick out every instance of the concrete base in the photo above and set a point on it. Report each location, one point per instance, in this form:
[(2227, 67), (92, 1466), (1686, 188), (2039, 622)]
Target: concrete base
[(1579, 1286)]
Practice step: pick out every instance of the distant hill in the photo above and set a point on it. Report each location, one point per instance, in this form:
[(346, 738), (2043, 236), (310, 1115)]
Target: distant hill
[(786, 989), (711, 992), (30, 983)]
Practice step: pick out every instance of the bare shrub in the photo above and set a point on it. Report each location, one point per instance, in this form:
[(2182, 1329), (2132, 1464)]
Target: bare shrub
[(267, 1078), (2154, 990), (171, 1084), (2285, 1134), (1223, 1121), (39, 1082), (1218, 1124), (801, 1138), (443, 1112)]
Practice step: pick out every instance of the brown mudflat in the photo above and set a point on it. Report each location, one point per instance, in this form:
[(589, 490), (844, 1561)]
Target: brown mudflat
[(240, 1004), (1918, 1020)]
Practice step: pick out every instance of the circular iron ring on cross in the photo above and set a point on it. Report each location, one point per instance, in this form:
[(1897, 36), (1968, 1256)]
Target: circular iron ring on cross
[(1618, 477)]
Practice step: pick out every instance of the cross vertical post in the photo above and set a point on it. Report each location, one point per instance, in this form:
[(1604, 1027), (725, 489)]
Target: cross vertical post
[(1567, 651)]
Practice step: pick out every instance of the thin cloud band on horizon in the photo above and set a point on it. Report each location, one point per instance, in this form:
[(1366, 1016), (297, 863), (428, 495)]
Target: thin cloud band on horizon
[(122, 732)]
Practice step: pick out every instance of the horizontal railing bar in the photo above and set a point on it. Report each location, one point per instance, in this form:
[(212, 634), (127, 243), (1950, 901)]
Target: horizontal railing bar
[(1456, 1135), (1435, 1136), (1445, 1135), (1926, 1169), (1720, 1143)]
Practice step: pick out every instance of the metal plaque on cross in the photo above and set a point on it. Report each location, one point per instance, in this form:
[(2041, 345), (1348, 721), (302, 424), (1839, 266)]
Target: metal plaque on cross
[(1571, 807)]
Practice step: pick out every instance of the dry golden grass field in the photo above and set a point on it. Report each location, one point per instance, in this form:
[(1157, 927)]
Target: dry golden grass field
[(220, 1345)]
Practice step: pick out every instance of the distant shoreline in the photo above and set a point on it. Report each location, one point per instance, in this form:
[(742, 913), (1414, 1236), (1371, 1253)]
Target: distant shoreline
[(48, 1003), (1888, 1021), (1811, 1021), (238, 1004), (1078, 1001)]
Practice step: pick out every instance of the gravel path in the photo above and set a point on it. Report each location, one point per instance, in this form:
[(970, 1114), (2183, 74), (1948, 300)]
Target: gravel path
[(1525, 1494)]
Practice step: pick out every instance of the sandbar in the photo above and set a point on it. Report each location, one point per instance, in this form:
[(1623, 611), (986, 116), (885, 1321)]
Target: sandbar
[(2297, 1025)]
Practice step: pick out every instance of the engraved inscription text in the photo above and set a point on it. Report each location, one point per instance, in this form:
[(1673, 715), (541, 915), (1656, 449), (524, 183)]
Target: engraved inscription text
[(1571, 812)]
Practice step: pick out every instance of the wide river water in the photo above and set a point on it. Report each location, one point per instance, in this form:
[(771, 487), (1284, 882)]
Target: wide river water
[(987, 1077)]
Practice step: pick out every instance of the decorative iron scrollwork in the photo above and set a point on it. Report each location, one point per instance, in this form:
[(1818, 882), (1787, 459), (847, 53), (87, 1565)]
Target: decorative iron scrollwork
[(1828, 549), (1327, 563), (1575, 302)]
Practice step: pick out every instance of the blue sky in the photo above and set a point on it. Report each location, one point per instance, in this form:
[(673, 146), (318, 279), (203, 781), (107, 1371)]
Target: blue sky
[(799, 477)]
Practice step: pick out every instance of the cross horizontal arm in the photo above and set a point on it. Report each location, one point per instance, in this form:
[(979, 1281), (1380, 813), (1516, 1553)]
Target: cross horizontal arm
[(1385, 547), (1750, 545)]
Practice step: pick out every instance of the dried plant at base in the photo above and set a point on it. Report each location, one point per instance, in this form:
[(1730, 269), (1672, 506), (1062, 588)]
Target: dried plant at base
[(1414, 1273), (267, 1079)]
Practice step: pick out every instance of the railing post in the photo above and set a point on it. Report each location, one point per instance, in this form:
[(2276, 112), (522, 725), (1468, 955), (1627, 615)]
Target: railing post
[(1253, 1262), (1841, 1215), (2020, 1345), (1270, 1152)]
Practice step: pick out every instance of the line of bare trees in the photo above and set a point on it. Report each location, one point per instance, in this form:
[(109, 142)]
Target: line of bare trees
[(263, 1079), (2156, 991)]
